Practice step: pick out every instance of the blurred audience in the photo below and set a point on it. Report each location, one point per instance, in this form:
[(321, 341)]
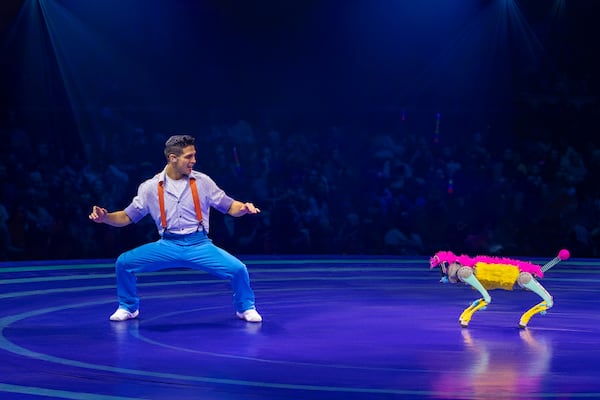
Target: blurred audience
[(336, 190)]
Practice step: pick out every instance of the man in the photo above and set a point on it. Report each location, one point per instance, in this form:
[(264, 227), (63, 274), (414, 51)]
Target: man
[(179, 200)]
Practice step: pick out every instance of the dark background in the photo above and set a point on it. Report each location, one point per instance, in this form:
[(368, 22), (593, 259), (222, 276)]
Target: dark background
[(359, 127)]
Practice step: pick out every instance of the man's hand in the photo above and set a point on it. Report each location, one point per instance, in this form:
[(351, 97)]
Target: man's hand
[(249, 208), (98, 214), (238, 209)]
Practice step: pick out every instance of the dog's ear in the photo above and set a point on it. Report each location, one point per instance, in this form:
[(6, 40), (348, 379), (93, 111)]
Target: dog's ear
[(434, 261)]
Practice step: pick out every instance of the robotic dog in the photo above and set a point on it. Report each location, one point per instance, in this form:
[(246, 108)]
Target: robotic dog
[(485, 273)]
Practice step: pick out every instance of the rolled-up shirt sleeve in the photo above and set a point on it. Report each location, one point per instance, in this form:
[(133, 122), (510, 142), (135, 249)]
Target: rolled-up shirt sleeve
[(215, 196), (139, 208)]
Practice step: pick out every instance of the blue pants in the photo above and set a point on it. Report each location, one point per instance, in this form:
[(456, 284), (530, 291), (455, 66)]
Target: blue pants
[(195, 251)]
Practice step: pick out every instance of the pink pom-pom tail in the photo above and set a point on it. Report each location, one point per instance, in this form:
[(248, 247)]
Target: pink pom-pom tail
[(564, 254)]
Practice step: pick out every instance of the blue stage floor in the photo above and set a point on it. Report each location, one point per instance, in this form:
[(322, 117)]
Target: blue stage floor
[(334, 328)]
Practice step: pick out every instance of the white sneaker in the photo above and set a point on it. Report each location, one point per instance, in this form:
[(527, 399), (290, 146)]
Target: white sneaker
[(123, 315), (250, 315)]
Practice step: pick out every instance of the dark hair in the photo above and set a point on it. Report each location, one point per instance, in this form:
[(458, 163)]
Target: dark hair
[(176, 143)]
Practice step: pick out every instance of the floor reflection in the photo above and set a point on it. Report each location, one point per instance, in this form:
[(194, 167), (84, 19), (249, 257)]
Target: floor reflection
[(497, 366)]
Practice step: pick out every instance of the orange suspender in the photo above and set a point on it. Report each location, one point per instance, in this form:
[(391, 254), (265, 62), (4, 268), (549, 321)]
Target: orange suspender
[(196, 199), (161, 202)]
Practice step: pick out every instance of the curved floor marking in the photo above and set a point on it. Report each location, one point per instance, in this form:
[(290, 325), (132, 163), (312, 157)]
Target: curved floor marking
[(7, 345), (60, 394)]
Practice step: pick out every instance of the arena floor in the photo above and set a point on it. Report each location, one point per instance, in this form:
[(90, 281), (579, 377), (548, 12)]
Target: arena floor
[(334, 328)]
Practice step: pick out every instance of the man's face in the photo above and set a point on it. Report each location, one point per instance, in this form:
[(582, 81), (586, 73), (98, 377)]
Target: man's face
[(186, 161)]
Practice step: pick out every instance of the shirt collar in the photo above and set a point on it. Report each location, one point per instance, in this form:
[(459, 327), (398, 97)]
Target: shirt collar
[(162, 176)]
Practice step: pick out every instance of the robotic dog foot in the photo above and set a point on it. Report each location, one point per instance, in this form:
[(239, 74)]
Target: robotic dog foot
[(467, 314), (537, 309)]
